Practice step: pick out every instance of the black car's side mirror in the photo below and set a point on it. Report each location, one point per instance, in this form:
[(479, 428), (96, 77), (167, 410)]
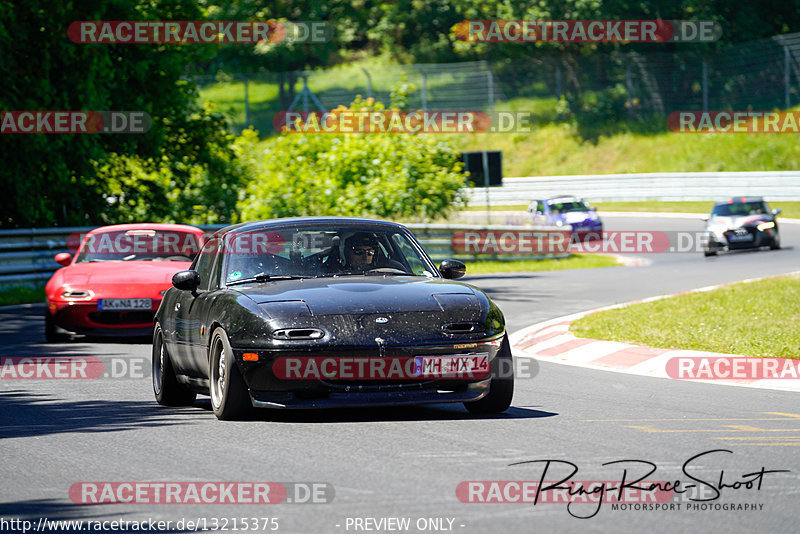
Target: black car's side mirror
[(186, 280), (776, 211), (452, 269)]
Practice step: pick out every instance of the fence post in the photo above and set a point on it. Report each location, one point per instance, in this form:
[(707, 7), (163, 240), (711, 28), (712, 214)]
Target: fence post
[(629, 87), (247, 123), (705, 85), (369, 82), (787, 102), (491, 91), (558, 81), (485, 157), (424, 91)]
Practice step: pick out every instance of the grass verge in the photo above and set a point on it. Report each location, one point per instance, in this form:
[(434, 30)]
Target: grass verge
[(752, 319), (21, 295), (561, 149), (576, 261)]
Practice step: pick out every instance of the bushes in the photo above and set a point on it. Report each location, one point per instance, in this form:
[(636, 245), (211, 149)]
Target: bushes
[(380, 175), (196, 180)]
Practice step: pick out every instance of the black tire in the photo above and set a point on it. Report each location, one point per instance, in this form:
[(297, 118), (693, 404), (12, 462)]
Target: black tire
[(50, 331), (230, 399), (501, 388), (708, 253), (168, 391)]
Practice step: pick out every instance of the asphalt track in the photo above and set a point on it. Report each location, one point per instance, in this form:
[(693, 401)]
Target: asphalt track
[(407, 463)]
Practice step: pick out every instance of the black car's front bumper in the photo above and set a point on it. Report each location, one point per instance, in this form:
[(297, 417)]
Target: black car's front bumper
[(358, 398), (267, 389)]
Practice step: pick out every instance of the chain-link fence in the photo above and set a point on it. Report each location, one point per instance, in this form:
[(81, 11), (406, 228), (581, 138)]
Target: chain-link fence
[(758, 75), (255, 99)]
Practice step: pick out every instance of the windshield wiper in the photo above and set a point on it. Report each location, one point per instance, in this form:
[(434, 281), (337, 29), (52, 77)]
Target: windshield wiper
[(263, 277)]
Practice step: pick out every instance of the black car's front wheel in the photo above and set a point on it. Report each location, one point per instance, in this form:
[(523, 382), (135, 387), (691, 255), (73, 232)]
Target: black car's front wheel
[(230, 399), (501, 388), (168, 391)]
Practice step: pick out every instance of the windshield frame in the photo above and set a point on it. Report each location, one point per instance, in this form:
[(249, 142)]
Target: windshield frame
[(335, 227)]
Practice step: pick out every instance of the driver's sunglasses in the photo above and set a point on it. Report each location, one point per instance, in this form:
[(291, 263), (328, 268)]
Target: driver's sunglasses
[(364, 251)]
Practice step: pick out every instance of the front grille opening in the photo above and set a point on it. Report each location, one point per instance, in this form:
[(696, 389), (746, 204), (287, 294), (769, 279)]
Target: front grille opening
[(121, 317), (461, 328), (298, 333)]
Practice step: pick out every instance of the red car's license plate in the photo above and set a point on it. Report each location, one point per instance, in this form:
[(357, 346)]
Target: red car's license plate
[(124, 304), (472, 366)]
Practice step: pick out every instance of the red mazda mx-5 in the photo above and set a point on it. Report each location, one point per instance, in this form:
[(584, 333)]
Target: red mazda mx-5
[(115, 282)]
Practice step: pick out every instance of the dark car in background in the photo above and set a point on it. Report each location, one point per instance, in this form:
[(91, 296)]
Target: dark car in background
[(567, 210), (327, 312), (741, 223)]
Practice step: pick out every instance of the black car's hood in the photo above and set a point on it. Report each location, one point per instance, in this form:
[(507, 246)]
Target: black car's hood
[(356, 311), (367, 294)]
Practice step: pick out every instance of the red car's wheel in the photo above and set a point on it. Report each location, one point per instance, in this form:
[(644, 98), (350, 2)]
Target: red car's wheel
[(51, 331)]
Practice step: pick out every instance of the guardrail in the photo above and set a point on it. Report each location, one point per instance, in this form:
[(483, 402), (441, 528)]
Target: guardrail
[(772, 185), (27, 255)]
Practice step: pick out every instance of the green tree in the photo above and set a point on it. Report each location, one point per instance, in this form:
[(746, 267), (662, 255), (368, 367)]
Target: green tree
[(64, 179), (383, 175)]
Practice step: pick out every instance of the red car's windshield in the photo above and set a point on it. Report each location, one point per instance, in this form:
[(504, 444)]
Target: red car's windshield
[(137, 245)]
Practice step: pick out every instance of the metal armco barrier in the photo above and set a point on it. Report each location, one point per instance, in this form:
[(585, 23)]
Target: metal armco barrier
[(27, 255), (667, 186)]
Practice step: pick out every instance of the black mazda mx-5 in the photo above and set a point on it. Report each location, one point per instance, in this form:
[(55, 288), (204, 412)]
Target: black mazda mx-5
[(327, 312)]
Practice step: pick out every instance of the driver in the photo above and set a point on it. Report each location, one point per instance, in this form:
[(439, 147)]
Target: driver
[(359, 251)]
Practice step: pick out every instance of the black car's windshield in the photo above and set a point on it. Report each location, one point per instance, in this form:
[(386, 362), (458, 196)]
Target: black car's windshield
[(565, 205), (739, 209), (137, 245), (323, 251)]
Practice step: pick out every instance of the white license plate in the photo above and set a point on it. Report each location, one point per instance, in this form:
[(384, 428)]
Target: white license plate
[(746, 237), (124, 304), (472, 366)]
